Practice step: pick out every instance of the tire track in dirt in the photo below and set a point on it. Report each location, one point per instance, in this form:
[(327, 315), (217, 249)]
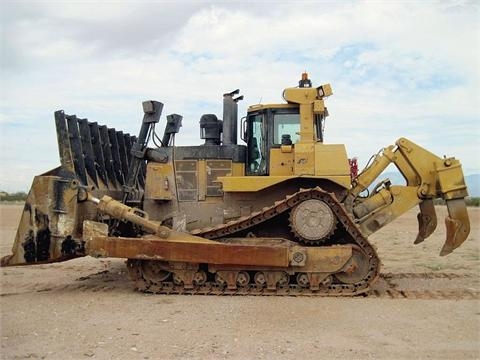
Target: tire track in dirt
[(426, 286)]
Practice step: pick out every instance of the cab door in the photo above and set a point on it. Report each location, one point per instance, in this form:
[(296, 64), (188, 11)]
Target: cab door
[(257, 144)]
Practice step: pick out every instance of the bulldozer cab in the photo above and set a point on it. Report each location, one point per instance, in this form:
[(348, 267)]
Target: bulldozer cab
[(273, 130), (273, 127)]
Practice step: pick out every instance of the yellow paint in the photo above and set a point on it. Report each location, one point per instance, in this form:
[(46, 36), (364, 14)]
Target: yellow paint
[(238, 169), (310, 101), (318, 106), (258, 107), (428, 176), (281, 162), (256, 183), (304, 159), (327, 90), (331, 159), (160, 181), (323, 161), (307, 135), (431, 175), (300, 95), (404, 198)]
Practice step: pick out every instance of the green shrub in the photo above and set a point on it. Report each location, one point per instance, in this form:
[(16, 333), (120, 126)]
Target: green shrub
[(18, 196), (473, 201)]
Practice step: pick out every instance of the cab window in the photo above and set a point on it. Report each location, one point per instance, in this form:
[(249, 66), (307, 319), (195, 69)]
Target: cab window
[(286, 124), (257, 156)]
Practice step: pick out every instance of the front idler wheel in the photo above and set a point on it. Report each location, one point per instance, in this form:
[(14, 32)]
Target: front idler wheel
[(356, 269)]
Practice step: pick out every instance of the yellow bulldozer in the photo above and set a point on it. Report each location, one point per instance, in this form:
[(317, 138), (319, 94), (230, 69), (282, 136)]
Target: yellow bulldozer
[(284, 214)]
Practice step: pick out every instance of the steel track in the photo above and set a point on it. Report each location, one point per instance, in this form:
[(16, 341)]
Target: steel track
[(387, 288), (256, 219)]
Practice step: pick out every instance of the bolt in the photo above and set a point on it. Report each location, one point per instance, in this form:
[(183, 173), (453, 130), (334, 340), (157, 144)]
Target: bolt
[(163, 233), (298, 257)]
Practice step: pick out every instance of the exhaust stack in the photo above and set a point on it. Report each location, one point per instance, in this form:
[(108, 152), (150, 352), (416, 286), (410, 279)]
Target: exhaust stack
[(230, 117)]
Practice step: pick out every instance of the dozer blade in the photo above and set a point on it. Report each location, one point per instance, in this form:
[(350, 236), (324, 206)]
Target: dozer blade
[(427, 220), (47, 229), (96, 155), (91, 156), (458, 225)]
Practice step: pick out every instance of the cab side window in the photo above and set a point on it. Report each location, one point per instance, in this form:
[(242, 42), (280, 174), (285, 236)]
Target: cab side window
[(257, 163), (286, 124)]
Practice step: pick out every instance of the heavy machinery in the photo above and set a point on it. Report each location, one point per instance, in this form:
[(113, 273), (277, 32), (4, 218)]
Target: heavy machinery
[(283, 214)]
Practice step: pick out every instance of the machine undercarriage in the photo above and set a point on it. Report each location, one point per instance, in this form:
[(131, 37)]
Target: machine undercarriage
[(344, 264)]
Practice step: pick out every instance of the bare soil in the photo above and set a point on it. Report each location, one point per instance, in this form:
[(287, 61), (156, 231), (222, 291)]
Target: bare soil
[(423, 307)]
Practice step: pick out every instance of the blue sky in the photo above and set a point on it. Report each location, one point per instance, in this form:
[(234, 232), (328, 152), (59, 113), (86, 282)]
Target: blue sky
[(398, 69)]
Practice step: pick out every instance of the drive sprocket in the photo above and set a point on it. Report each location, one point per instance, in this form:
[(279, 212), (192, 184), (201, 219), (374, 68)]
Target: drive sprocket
[(312, 221)]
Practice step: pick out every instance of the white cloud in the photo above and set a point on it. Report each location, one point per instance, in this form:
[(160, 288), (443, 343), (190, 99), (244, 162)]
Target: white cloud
[(397, 69)]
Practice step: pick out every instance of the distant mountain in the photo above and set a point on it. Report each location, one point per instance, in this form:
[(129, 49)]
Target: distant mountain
[(472, 181)]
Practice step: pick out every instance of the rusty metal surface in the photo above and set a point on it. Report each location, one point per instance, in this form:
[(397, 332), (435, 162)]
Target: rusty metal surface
[(261, 282), (48, 228), (355, 270), (211, 252), (427, 220), (458, 225), (122, 212), (250, 253), (91, 156)]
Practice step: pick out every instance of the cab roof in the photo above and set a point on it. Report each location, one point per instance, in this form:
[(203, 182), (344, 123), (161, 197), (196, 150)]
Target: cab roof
[(258, 107)]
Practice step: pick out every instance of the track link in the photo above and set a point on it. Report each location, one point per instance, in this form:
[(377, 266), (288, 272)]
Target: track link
[(233, 228)]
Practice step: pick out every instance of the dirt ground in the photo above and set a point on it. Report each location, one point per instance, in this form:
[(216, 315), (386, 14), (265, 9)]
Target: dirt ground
[(86, 308)]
